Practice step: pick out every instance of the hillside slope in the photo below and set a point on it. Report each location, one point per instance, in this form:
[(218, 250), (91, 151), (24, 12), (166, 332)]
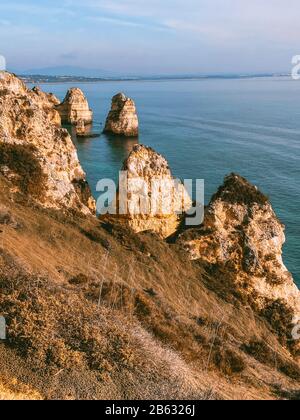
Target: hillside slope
[(97, 311)]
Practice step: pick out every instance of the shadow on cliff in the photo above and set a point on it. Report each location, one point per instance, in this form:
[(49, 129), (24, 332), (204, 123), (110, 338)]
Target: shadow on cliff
[(120, 146)]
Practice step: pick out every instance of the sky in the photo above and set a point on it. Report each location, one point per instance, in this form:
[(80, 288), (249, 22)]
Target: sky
[(151, 36)]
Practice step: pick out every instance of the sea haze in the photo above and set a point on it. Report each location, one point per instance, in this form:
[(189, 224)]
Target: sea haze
[(207, 129)]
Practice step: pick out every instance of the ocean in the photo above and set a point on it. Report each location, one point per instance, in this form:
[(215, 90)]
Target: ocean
[(206, 129)]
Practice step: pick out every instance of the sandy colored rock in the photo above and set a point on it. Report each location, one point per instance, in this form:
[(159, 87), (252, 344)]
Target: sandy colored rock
[(80, 127), (242, 238), (49, 101), (74, 108), (37, 156), (49, 98), (122, 119), (155, 199)]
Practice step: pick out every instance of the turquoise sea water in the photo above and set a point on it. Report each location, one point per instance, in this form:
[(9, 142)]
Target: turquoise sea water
[(207, 129)]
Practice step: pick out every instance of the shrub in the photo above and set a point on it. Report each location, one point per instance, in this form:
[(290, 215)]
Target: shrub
[(237, 190), (21, 160), (228, 361), (280, 317), (261, 352)]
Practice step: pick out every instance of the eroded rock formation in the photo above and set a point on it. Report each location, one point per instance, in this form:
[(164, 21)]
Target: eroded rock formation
[(75, 107), (48, 101), (35, 154), (80, 127), (154, 198), (241, 241), (49, 98), (122, 119)]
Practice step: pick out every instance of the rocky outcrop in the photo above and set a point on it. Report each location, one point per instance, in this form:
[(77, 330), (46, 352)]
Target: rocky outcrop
[(35, 154), (80, 128), (154, 197), (75, 107), (241, 240), (48, 101), (122, 119), (48, 98)]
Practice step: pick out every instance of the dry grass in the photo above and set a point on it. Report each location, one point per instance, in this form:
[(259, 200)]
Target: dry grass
[(96, 311), (14, 390)]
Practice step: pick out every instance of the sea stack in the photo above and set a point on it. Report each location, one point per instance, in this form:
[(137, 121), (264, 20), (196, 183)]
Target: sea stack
[(241, 239), (122, 119), (74, 108), (155, 200)]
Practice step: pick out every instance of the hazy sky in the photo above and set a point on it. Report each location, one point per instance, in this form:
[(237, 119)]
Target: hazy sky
[(151, 36)]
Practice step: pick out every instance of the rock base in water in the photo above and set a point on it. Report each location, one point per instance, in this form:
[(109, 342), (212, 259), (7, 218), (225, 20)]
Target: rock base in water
[(122, 119), (155, 200), (75, 108)]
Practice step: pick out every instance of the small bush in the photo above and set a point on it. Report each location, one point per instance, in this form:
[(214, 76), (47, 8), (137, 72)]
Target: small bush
[(261, 352), (290, 369), (228, 361), (21, 160), (237, 190), (79, 279), (280, 317)]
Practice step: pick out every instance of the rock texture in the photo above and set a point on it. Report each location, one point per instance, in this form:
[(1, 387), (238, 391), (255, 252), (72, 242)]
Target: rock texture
[(48, 101), (80, 128), (74, 108), (35, 154), (241, 240), (154, 197), (122, 119)]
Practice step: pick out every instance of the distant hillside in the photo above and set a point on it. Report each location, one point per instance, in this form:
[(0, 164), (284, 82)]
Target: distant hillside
[(67, 71)]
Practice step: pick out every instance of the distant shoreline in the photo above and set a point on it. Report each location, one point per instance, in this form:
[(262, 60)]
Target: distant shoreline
[(74, 79)]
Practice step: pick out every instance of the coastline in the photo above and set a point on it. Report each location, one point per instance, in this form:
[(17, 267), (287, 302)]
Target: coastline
[(45, 79)]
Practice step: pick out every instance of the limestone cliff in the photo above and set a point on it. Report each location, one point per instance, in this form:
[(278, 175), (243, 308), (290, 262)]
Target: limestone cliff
[(74, 108), (48, 101), (154, 198), (242, 239), (35, 153), (95, 311), (122, 119)]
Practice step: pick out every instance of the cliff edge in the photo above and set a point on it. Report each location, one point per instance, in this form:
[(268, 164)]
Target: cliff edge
[(107, 309), (35, 152)]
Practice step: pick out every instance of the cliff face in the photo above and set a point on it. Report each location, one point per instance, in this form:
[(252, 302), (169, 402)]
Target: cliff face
[(122, 119), (35, 153), (96, 310), (48, 101), (154, 197), (75, 108), (242, 238)]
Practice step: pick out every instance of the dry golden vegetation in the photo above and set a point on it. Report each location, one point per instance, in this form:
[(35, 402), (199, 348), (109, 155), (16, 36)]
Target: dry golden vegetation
[(95, 311)]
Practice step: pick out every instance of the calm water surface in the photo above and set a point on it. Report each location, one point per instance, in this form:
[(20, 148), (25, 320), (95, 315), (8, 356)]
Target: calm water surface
[(207, 129)]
